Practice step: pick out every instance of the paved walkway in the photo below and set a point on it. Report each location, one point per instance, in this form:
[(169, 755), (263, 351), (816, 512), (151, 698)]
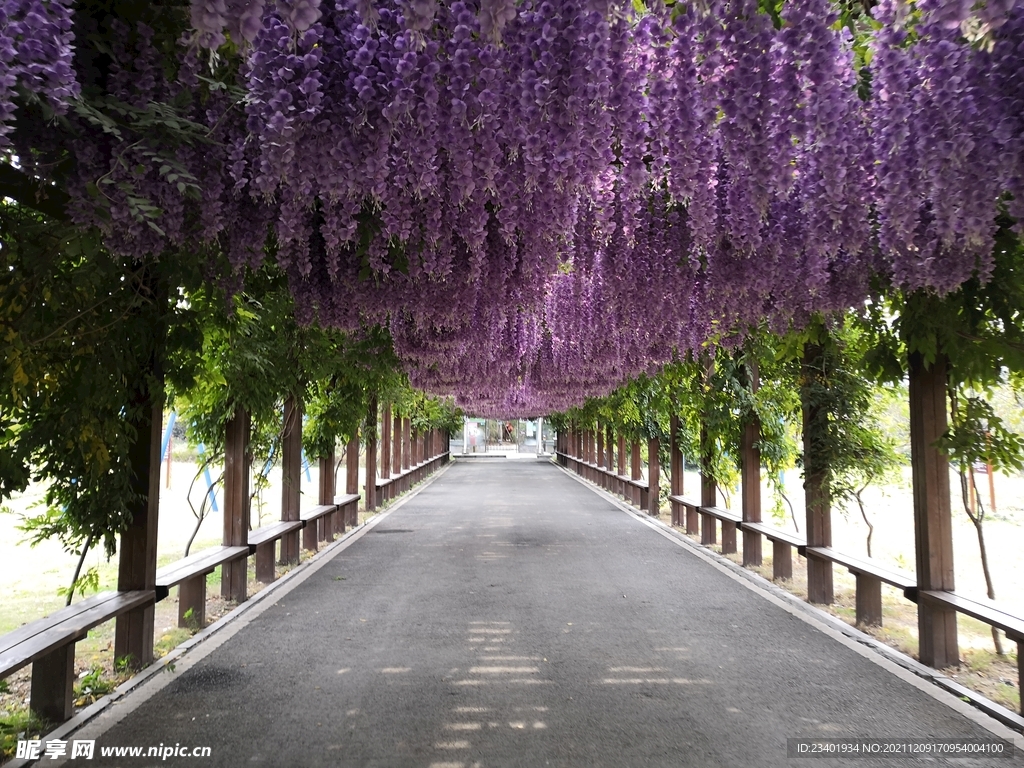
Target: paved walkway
[(508, 616)]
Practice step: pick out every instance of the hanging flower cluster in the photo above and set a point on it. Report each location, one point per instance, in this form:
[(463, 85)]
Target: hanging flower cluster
[(36, 54), (542, 198)]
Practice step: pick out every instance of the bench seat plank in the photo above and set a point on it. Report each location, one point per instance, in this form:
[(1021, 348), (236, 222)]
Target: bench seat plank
[(346, 499), (65, 626), (857, 565), (774, 534), (722, 514), (684, 501), (986, 611), (197, 564), (33, 628), (317, 512), (272, 532)]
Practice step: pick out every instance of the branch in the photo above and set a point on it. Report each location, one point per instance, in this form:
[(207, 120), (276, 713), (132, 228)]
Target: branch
[(37, 194)]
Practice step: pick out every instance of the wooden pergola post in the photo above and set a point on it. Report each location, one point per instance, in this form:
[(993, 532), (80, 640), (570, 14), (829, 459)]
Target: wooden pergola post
[(333, 523), (636, 472), (653, 477), (816, 494), (750, 474), (371, 454), (291, 477), (233, 575), (406, 451), (933, 527), (675, 466), (386, 450), (396, 450), (133, 633), (708, 491), (609, 443), (602, 457), (623, 489), (352, 476)]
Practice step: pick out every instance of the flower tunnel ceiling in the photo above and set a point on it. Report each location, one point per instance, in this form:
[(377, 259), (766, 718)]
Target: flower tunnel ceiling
[(542, 199)]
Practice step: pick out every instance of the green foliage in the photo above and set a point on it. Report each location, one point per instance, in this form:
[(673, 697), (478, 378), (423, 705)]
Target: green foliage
[(93, 685), (19, 725), (844, 440), (979, 327), (80, 332), (86, 582), (977, 435)]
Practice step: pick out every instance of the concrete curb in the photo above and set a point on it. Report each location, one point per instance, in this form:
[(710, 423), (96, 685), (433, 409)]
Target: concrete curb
[(208, 639), (1008, 724)]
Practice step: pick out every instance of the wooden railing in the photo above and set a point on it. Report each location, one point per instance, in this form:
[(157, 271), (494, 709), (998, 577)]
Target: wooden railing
[(48, 644), (869, 574)]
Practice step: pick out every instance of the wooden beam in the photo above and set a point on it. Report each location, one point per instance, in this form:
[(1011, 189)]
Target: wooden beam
[(708, 491), (933, 526), (750, 472), (396, 454), (653, 477), (675, 466), (385, 442), (816, 494), (371, 454), (351, 517), (133, 634), (327, 490), (291, 477), (233, 575), (406, 443)]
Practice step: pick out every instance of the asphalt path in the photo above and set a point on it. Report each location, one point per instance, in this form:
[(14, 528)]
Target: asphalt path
[(510, 616)]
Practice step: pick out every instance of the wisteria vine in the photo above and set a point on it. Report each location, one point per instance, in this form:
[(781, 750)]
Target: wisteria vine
[(542, 198)]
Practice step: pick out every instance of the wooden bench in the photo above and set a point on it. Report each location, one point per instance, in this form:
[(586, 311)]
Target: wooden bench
[(348, 510), (385, 488), (690, 506), (317, 525), (637, 497), (189, 575), (782, 547), (262, 543), (730, 519), (49, 646), (870, 576), (987, 612)]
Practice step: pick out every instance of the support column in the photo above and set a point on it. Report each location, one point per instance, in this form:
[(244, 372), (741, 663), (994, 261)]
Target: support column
[(233, 576), (333, 523), (750, 473), (371, 454), (352, 477), (602, 478), (133, 635), (675, 466), (406, 452), (635, 472), (816, 494), (708, 492), (933, 528), (386, 450), (653, 477), (291, 477), (396, 449)]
